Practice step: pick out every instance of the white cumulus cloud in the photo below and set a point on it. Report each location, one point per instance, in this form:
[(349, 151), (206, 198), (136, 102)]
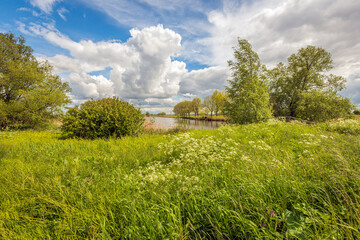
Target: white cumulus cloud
[(204, 82), (90, 86), (141, 68)]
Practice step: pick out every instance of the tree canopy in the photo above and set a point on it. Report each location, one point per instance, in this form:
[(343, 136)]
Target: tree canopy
[(209, 105), (196, 104), (213, 103), (29, 93), (248, 96), (183, 108), (297, 88), (218, 99)]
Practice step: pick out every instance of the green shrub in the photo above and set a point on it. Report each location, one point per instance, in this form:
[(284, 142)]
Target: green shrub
[(321, 106), (102, 119)]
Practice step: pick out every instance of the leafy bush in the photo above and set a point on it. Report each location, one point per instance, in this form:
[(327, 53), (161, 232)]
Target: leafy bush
[(322, 106), (102, 119)]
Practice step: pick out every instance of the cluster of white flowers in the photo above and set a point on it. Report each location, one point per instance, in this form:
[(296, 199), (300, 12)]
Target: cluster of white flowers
[(260, 144), (309, 140), (185, 149), (351, 126), (184, 155), (245, 158)]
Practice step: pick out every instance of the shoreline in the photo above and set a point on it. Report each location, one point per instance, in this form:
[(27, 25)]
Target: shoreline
[(206, 118)]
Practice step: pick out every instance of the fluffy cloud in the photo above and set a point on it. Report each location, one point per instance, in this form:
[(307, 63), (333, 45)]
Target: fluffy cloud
[(85, 86), (203, 82), (141, 68), (277, 28), (65, 64)]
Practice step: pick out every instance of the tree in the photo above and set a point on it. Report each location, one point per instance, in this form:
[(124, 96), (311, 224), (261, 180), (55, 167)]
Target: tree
[(183, 108), (219, 100), (248, 96), (305, 73), (196, 103), (29, 93), (187, 108), (176, 109), (209, 105)]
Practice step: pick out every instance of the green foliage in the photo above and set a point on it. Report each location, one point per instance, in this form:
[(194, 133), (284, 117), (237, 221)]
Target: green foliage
[(322, 106), (219, 100), (291, 87), (273, 180), (212, 103), (183, 108), (356, 112), (248, 96), (161, 114), (103, 118), (196, 103), (209, 105), (29, 93)]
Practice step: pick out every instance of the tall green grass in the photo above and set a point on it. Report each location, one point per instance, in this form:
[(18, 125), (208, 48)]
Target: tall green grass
[(271, 180)]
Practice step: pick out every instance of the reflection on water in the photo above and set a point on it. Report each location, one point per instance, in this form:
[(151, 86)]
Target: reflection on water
[(168, 123)]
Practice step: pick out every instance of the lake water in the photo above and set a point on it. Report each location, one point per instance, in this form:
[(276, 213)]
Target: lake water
[(168, 123)]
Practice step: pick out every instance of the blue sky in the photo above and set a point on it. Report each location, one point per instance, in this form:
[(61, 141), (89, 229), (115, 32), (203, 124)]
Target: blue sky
[(155, 52)]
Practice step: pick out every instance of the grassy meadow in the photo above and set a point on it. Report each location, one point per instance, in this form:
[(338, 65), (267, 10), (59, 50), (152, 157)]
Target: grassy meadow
[(273, 180)]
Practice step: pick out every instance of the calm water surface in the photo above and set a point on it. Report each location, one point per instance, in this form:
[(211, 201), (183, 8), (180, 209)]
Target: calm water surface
[(168, 123)]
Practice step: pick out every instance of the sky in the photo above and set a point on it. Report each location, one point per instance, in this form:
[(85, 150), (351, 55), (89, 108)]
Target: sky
[(155, 53)]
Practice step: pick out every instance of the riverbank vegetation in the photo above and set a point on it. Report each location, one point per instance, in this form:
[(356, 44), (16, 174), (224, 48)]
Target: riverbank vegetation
[(213, 104), (268, 180)]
